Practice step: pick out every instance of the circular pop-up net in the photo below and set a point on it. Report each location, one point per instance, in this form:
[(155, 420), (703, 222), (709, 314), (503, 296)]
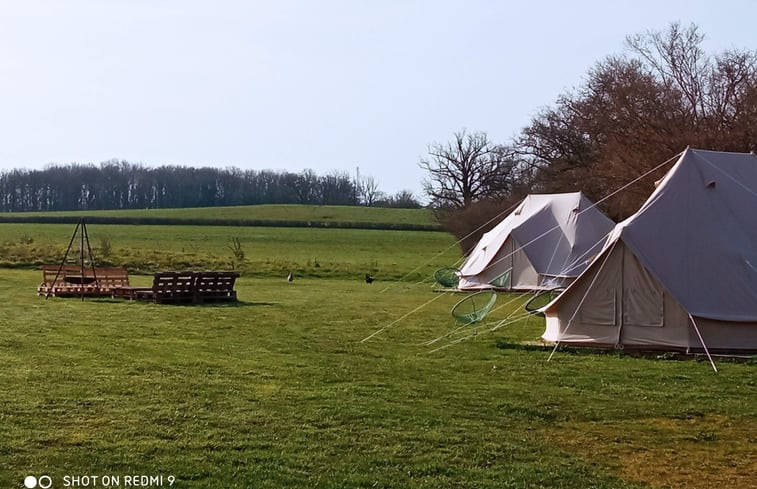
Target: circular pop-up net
[(542, 299), (447, 277), (475, 307)]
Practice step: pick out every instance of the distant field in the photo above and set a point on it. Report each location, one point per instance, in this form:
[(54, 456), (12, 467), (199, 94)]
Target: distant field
[(297, 213), (279, 392), (268, 251)]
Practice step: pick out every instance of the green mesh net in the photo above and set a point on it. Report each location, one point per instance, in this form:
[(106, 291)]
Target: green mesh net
[(542, 299), (447, 277), (475, 307)]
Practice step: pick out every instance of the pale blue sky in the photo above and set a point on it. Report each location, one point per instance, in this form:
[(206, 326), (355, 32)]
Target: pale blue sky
[(287, 84)]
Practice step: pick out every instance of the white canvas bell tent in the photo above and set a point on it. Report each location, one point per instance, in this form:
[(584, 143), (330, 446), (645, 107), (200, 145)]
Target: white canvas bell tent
[(544, 243), (681, 273)]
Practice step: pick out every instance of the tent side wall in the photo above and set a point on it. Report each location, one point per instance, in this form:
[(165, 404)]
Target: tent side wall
[(624, 305), (523, 275), (512, 260), (593, 319), (724, 335), (498, 265)]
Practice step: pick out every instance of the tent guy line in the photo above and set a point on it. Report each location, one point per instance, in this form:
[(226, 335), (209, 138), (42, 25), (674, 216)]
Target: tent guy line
[(591, 284), (428, 343), (644, 175), (431, 278), (501, 324), (507, 320), (401, 318), (456, 243), (571, 233), (576, 263), (595, 204)]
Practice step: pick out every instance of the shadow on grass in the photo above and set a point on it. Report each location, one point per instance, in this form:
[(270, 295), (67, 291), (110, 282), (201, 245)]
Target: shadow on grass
[(648, 355), (235, 304), (510, 345), (189, 304)]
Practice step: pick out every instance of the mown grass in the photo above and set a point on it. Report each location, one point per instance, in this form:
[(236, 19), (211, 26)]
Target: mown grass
[(279, 391), (268, 251), (272, 212)]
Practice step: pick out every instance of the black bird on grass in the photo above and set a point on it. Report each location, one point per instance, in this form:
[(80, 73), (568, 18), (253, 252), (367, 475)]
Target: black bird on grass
[(369, 279), (290, 277)]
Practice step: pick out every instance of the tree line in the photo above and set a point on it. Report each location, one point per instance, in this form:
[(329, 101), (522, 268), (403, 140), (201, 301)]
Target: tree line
[(124, 185), (633, 112)]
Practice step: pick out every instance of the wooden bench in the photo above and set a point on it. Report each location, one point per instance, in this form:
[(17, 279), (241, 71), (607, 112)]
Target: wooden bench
[(184, 288), (215, 286), (71, 282)]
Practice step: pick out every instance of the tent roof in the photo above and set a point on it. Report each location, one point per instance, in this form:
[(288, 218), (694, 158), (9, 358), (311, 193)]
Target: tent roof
[(697, 234), (557, 232)]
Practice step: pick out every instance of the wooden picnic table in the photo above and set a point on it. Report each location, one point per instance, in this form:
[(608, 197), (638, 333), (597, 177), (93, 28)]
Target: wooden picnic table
[(68, 280)]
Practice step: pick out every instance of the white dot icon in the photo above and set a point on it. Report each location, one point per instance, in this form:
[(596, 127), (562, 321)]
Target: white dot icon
[(30, 482)]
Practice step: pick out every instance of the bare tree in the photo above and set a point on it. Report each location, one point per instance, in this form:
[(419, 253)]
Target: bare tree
[(368, 190), (680, 64), (466, 170), (404, 199), (637, 110)]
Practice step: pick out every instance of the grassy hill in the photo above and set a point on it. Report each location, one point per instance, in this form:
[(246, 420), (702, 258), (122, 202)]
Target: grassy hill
[(300, 215)]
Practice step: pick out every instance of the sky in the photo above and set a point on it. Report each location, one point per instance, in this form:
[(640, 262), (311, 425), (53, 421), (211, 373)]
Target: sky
[(292, 84)]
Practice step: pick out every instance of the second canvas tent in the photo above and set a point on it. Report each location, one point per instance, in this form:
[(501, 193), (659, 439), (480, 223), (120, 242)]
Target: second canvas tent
[(546, 242)]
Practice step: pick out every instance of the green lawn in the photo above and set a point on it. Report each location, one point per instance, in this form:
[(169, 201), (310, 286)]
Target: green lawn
[(323, 213), (312, 252), (279, 391)]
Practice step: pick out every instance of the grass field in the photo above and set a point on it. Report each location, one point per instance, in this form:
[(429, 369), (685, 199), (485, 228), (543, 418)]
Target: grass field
[(279, 390), (323, 213), (268, 251)]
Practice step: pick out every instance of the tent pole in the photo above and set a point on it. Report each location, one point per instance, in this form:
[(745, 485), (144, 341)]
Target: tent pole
[(702, 341)]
